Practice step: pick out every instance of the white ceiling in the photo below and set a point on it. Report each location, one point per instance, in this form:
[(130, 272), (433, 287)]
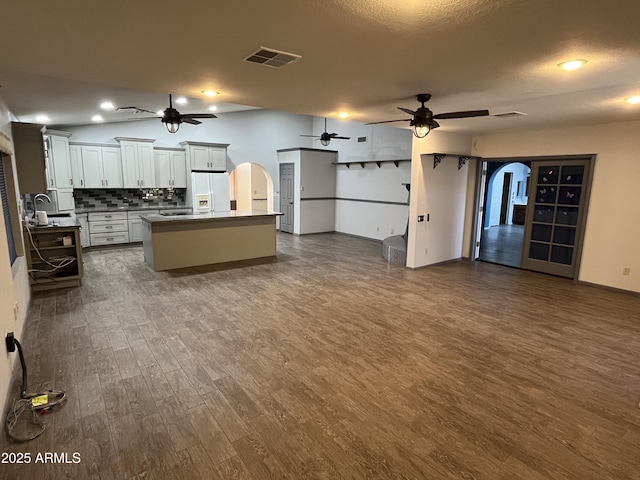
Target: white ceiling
[(363, 56)]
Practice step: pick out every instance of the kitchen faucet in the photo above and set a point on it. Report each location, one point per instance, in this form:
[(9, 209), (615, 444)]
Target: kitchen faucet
[(35, 201)]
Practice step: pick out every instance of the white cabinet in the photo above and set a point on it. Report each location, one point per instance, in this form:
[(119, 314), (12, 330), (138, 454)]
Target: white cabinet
[(206, 156), (58, 160), (85, 240), (77, 172), (102, 166), (171, 168), (135, 224), (137, 163), (108, 228), (62, 198)]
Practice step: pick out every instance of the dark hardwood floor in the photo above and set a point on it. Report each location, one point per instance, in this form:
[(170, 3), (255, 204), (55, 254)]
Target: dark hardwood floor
[(330, 363), (502, 244)]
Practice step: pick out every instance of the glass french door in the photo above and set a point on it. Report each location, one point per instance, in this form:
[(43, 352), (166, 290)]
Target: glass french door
[(556, 216)]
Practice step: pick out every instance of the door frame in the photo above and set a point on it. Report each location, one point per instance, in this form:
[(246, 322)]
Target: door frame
[(480, 198)]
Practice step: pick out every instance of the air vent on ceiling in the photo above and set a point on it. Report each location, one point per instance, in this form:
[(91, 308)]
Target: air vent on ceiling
[(509, 114), (362, 139), (272, 58)]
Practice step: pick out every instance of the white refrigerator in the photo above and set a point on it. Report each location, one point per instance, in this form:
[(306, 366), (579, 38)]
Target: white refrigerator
[(210, 192)]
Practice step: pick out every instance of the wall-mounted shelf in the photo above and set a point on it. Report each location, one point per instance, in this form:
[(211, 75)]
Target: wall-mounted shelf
[(362, 163), (462, 158)]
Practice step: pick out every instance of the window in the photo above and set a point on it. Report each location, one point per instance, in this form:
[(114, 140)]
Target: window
[(6, 211)]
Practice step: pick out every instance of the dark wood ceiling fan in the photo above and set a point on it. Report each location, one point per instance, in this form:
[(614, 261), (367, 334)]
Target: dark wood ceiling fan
[(423, 120), (326, 137)]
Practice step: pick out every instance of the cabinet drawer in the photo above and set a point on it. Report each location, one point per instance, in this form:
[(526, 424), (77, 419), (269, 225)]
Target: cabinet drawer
[(109, 238), (106, 227), (106, 216), (138, 214)]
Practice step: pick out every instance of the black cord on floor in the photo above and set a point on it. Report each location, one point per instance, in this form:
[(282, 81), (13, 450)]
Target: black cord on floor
[(37, 403)]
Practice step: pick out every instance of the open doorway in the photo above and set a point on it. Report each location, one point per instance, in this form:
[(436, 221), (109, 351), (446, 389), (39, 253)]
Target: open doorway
[(251, 188), (506, 190)]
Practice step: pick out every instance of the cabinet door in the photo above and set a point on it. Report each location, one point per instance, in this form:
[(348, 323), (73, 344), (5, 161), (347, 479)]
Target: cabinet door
[(200, 158), (59, 160), (84, 231), (77, 173), (112, 167), (163, 168), (130, 170), (65, 200), (218, 159), (179, 169), (145, 163), (92, 166), (135, 230)]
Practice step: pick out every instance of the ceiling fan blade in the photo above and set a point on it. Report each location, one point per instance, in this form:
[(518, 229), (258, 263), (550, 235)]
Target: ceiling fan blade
[(141, 118), (406, 110), (137, 109), (390, 121), (342, 138), (313, 136), (192, 121), (198, 115), (467, 114)]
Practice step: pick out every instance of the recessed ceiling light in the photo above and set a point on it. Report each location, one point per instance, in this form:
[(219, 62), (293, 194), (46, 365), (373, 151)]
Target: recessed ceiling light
[(635, 100), (97, 118), (42, 118), (210, 93), (213, 108), (160, 112), (343, 114), (181, 101), (572, 64), (107, 106)]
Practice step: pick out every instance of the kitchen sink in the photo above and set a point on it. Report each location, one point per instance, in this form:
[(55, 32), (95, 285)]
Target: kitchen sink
[(59, 215), (173, 214)]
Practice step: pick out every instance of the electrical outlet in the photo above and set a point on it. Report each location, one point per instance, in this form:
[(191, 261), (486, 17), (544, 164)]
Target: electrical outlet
[(626, 271)]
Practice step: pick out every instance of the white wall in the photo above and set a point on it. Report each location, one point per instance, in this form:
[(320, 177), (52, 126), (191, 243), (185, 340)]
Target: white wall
[(612, 229), (14, 281), (384, 184), (440, 193), (494, 196)]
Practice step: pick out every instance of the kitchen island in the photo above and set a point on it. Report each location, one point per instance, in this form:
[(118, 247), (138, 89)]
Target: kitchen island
[(188, 240)]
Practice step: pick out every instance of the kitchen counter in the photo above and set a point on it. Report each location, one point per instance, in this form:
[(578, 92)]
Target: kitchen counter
[(179, 241), (207, 217), (55, 223)]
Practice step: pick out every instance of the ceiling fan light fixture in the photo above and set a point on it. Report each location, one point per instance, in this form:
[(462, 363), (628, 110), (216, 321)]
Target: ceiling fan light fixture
[(571, 65), (421, 130), (172, 127), (325, 141)]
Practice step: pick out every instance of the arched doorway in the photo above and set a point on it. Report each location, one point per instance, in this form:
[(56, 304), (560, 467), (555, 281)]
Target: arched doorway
[(251, 187), (504, 216)]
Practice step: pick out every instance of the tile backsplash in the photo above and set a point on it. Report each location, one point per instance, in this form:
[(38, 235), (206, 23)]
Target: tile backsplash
[(129, 197)]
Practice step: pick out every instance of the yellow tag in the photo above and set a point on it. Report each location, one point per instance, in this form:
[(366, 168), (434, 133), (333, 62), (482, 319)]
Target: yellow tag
[(40, 400)]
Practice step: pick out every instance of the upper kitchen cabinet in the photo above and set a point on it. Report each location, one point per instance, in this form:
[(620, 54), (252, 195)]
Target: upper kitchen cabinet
[(59, 173), (171, 168), (77, 172), (28, 144), (137, 162), (210, 157), (102, 166)]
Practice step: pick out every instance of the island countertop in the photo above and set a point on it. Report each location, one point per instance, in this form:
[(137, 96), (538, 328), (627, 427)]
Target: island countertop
[(156, 218)]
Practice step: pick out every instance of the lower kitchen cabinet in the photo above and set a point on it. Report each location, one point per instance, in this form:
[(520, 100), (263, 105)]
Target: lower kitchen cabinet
[(135, 224), (108, 228), (85, 239)]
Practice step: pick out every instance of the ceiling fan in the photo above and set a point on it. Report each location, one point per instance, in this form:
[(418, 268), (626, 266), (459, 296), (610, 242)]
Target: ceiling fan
[(423, 120), (172, 118), (326, 137)]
